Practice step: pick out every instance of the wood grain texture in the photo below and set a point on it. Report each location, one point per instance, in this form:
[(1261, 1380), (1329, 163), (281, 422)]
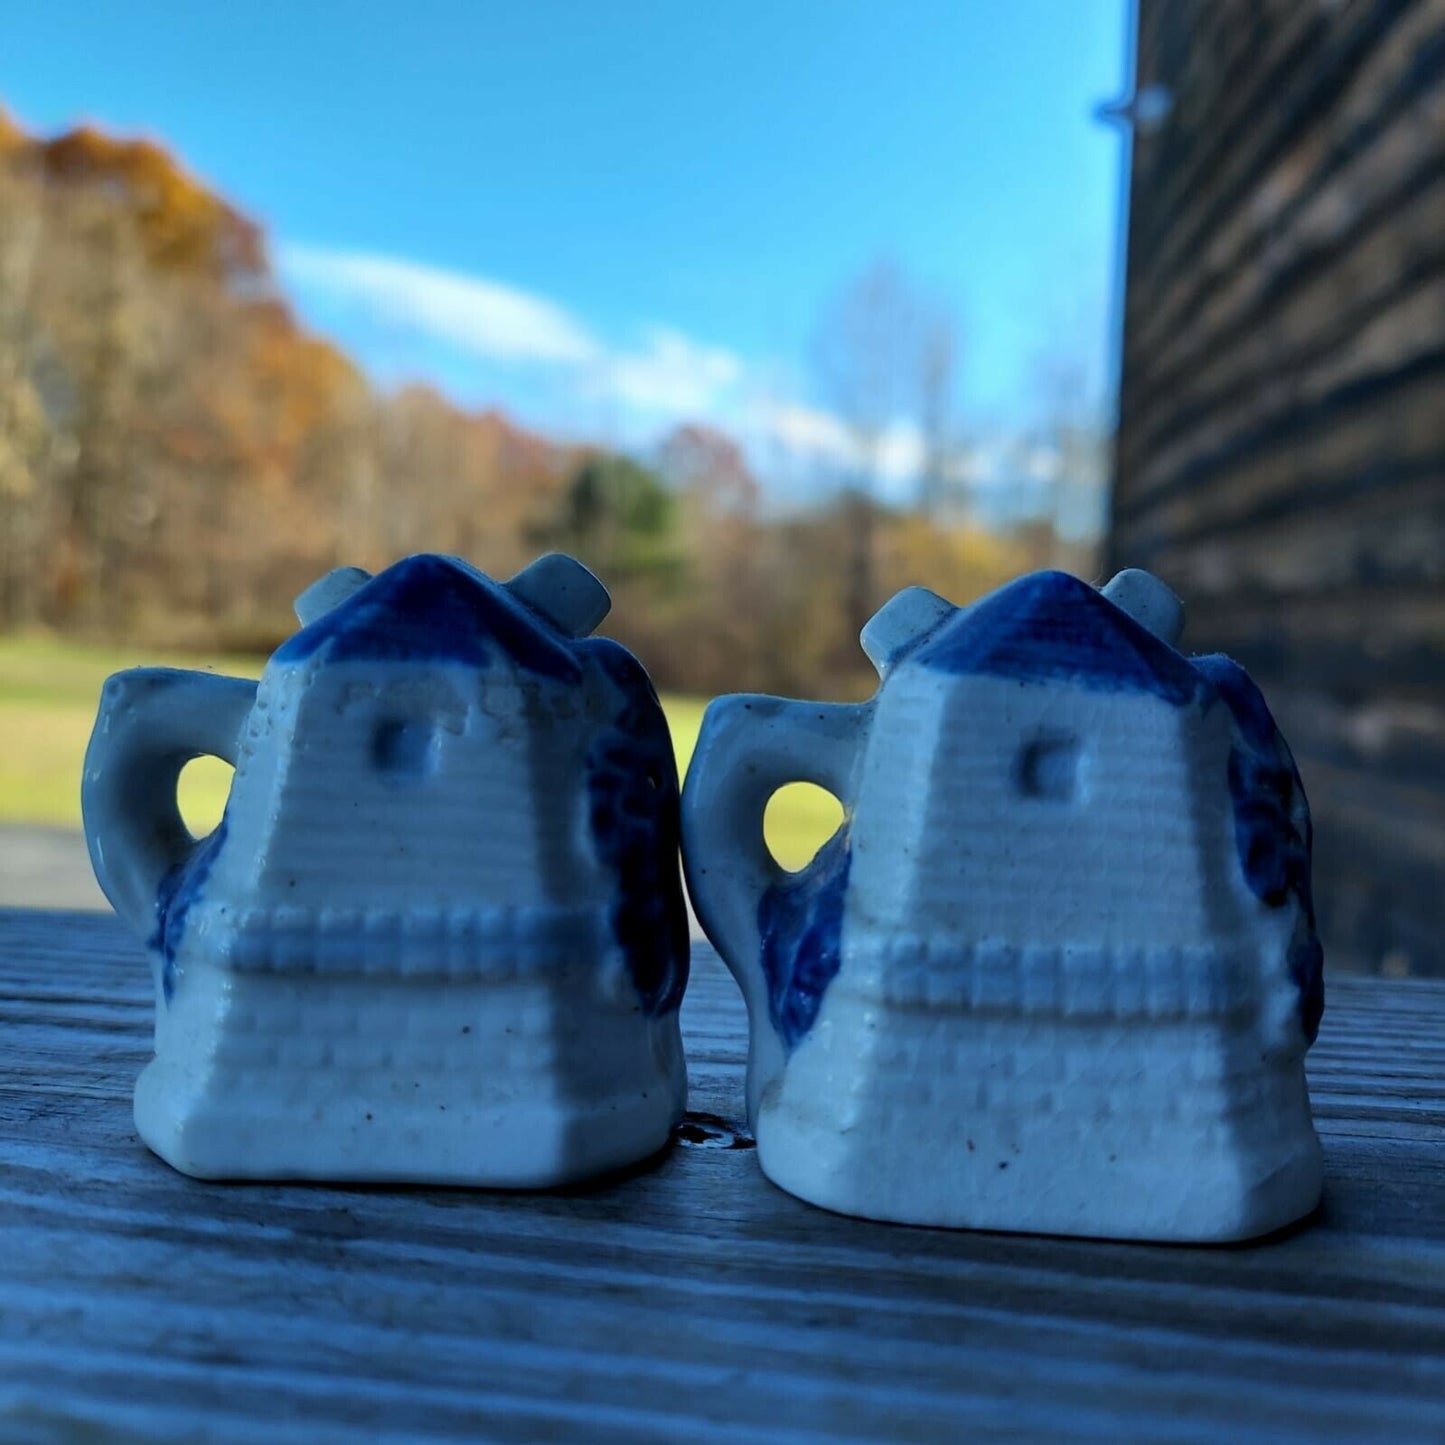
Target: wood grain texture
[(1281, 447), (687, 1300)]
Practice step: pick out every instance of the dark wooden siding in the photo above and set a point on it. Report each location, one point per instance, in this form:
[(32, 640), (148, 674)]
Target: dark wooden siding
[(1281, 452)]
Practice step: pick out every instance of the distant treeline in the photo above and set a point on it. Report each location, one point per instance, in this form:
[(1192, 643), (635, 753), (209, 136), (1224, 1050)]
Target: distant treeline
[(178, 460)]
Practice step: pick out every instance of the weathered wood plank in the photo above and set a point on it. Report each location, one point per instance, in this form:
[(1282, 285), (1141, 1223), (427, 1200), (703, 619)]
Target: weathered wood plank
[(1363, 155), (1386, 736), (1281, 126), (1352, 642), (1272, 375), (1305, 298), (1171, 166), (1391, 535), (1381, 414), (687, 1299)]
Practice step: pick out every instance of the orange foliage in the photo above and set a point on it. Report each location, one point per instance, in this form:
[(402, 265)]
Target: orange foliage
[(12, 138), (184, 226)]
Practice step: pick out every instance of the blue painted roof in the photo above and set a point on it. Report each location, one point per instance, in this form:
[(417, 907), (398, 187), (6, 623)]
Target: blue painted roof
[(436, 609), (1051, 627)]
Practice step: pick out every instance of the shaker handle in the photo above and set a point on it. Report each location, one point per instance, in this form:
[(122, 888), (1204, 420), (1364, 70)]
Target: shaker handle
[(748, 747), (152, 722)]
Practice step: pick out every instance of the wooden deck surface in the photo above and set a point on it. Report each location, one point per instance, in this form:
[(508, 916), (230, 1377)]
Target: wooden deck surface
[(689, 1300)]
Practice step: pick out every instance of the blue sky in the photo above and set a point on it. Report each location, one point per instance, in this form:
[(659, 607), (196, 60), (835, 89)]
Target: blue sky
[(612, 216)]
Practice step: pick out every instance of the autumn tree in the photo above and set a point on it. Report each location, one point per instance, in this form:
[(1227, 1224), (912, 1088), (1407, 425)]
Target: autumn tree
[(1068, 426), (179, 458), (618, 516), (884, 355)]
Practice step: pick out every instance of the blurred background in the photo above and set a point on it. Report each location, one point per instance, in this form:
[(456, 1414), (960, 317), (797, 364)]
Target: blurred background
[(764, 311)]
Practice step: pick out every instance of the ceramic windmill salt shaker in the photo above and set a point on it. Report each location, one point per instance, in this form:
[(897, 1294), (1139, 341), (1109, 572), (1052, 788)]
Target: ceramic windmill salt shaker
[(1057, 970), (439, 935)]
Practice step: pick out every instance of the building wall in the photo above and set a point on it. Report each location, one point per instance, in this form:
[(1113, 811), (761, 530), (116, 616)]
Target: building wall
[(1281, 451)]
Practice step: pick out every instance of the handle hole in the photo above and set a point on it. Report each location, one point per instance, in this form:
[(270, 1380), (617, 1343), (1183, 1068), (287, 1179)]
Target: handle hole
[(799, 819), (201, 793)]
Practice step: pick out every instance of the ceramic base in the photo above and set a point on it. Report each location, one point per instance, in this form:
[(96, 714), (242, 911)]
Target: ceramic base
[(503, 1085), (1170, 1132)]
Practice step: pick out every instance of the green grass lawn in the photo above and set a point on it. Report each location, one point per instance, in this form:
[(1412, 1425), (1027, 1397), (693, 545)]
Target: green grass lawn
[(48, 693)]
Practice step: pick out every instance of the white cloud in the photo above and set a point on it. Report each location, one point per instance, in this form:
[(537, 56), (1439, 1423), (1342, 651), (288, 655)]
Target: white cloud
[(804, 430), (900, 453), (668, 374), (479, 316), (666, 378), (822, 436), (672, 374)]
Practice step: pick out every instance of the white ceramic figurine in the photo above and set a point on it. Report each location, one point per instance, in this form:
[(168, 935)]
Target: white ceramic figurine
[(439, 935), (1057, 970)]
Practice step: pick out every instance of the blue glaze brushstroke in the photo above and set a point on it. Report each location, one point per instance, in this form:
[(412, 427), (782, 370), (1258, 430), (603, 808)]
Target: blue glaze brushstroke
[(180, 890), (1051, 627), (633, 810), (1272, 831), (433, 608), (800, 919)]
